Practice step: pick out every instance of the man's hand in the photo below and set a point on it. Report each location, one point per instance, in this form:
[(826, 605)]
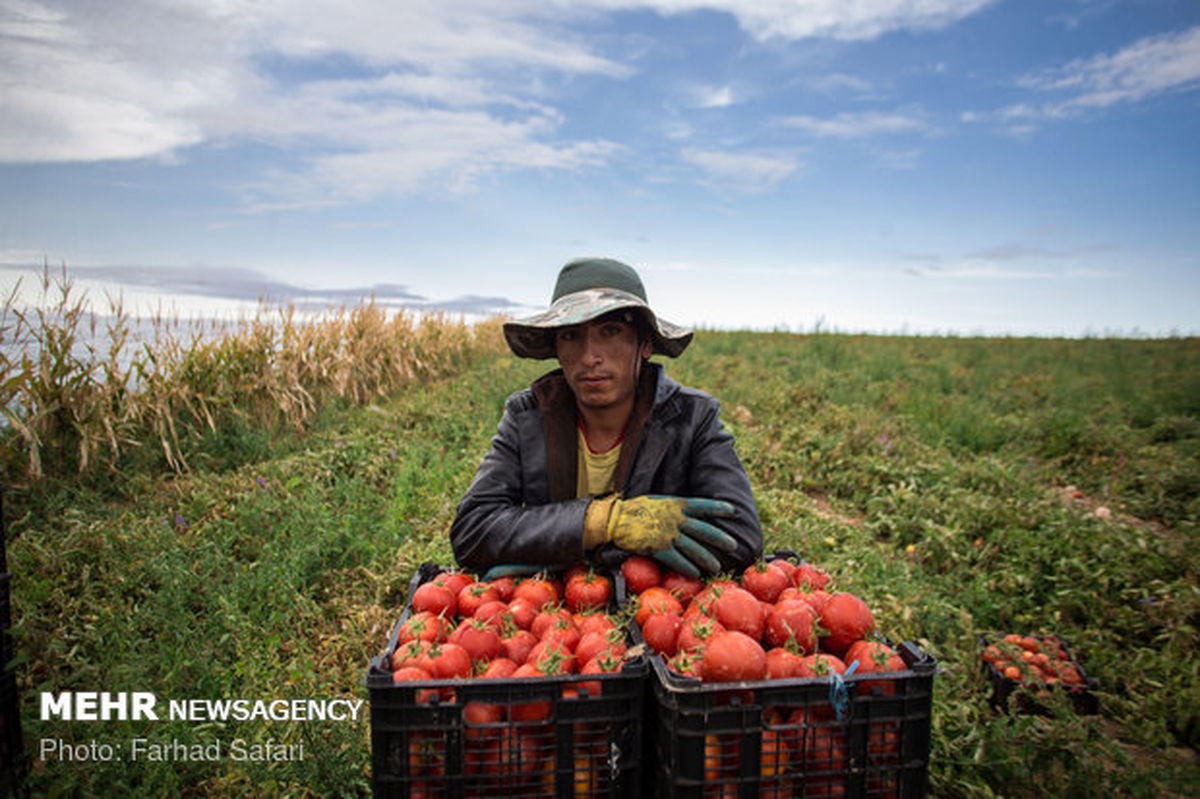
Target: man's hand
[(669, 528)]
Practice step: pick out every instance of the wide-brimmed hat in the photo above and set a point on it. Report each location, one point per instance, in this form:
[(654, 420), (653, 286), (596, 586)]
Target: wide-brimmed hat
[(588, 288)]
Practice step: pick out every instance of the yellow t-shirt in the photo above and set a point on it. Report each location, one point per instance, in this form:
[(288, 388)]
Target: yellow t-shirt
[(595, 471)]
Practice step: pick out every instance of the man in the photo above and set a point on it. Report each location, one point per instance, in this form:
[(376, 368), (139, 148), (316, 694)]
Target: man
[(606, 455)]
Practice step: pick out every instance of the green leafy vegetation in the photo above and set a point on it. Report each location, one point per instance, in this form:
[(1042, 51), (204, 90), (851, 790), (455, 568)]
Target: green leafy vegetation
[(959, 485)]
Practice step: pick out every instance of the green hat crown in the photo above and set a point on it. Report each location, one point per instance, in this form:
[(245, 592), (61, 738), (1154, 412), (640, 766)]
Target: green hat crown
[(597, 273)]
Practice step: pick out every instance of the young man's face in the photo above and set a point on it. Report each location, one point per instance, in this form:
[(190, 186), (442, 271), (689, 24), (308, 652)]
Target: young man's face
[(599, 359)]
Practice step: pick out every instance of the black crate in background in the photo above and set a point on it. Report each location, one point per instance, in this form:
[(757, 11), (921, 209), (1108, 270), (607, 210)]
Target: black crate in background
[(1082, 697), (586, 744)]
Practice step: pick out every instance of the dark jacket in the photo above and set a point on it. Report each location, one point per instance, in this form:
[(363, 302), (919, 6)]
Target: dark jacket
[(521, 507)]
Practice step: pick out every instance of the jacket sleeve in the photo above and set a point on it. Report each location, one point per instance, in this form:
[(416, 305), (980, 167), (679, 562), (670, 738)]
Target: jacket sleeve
[(717, 473), (496, 525)]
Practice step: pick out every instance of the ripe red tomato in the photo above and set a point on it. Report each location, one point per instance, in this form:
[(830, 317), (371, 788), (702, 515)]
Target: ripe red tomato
[(590, 591), (474, 595), (425, 626), (695, 634), (504, 587), (518, 645), (596, 644), (808, 577), (732, 656), (499, 669), (792, 620), (435, 599), (410, 654), (539, 592), (549, 617), (640, 573), (594, 623), (785, 566), (448, 661), (819, 665), (782, 664), (563, 633), (656, 599), (764, 582), (846, 618), (479, 638), (738, 609), (454, 580), (683, 587), (661, 632), (492, 612), (523, 612)]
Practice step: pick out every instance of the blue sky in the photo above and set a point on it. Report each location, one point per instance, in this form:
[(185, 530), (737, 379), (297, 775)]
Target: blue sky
[(967, 166)]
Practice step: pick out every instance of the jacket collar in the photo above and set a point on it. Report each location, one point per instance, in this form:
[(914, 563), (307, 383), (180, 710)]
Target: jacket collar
[(655, 394)]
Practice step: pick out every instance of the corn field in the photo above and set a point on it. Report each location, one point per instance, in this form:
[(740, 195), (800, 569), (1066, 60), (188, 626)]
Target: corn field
[(81, 390)]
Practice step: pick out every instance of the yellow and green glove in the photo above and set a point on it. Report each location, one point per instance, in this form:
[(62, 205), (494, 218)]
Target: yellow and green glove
[(672, 530)]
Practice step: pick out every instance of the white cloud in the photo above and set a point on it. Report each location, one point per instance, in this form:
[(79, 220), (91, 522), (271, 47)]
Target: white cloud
[(747, 170), (836, 19), (714, 97), (1145, 69), (855, 125), (433, 91)]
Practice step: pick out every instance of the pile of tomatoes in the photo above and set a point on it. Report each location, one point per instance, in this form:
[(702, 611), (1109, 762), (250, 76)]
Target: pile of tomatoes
[(539, 626), (776, 622), (462, 628)]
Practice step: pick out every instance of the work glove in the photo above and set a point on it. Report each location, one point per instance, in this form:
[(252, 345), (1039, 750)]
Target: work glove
[(670, 529)]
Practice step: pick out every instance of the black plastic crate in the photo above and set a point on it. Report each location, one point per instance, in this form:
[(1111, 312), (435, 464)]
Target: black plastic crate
[(555, 736), (1029, 695), (785, 738)]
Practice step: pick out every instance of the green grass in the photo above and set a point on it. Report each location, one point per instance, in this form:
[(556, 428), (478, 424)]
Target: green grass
[(925, 473)]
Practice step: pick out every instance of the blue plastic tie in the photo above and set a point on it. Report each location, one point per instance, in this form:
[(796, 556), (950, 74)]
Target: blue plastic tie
[(839, 697)]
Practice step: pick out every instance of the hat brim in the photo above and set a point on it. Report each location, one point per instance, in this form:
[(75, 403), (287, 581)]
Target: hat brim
[(532, 337)]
